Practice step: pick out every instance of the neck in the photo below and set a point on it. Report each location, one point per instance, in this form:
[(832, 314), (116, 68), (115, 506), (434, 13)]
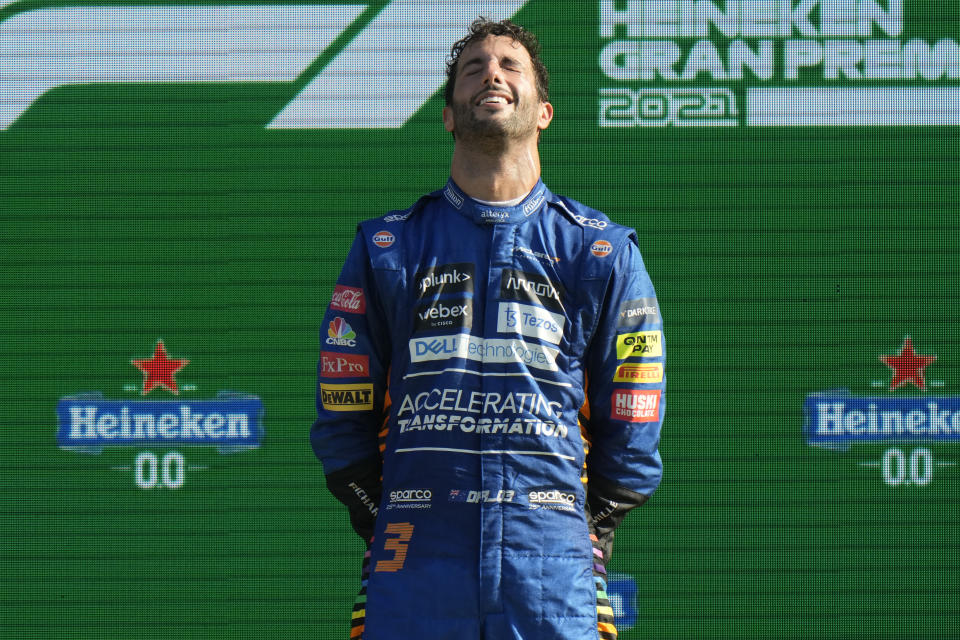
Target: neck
[(495, 175)]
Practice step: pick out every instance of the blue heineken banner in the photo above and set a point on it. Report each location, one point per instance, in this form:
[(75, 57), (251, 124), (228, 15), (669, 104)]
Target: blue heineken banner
[(843, 419), (227, 422)]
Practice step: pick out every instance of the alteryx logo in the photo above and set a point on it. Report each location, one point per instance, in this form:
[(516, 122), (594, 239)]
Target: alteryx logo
[(349, 66)]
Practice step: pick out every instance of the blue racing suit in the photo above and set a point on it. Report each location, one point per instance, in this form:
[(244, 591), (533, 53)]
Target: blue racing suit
[(490, 396)]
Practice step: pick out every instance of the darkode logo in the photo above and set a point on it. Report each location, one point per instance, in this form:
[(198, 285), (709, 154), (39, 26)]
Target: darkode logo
[(636, 312)]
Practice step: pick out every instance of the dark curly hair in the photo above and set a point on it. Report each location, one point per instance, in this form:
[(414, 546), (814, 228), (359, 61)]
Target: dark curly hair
[(480, 29)]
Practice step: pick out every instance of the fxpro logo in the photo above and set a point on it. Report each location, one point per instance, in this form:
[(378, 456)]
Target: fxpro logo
[(48, 47), (774, 63)]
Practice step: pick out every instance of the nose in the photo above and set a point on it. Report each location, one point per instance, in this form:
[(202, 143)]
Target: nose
[(492, 72)]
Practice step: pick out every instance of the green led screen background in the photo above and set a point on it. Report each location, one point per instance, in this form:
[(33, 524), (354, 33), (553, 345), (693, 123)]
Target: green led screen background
[(193, 174)]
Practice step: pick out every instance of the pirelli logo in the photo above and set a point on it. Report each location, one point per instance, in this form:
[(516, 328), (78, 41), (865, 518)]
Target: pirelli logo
[(347, 397), (639, 372), (642, 344)]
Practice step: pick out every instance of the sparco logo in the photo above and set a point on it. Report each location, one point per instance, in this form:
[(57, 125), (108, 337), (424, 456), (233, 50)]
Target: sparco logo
[(410, 499), (446, 278), (590, 222), (398, 217), (444, 314), (530, 287), (191, 43), (551, 499)]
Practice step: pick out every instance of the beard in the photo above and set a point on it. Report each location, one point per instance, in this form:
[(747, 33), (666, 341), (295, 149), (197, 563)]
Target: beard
[(492, 133)]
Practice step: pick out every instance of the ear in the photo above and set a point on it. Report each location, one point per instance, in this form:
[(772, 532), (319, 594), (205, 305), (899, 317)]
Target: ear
[(545, 117), (448, 119)]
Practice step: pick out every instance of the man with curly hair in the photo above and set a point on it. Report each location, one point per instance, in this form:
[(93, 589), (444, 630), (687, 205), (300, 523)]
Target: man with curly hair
[(491, 387)]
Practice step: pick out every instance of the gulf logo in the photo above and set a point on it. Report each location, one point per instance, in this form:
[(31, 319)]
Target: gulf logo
[(383, 239), (601, 248)]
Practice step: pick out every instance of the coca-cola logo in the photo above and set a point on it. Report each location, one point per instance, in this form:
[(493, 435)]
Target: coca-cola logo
[(349, 299)]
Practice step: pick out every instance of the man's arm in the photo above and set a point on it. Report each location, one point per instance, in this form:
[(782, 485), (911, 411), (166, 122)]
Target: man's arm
[(625, 391), (352, 396)]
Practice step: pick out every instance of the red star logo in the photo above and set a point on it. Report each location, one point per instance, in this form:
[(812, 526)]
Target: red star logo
[(159, 370), (907, 366)]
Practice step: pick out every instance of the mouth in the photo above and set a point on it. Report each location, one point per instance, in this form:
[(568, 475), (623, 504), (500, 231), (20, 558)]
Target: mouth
[(493, 98)]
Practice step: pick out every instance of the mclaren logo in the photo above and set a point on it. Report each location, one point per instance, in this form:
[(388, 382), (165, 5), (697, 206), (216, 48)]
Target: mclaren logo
[(265, 43)]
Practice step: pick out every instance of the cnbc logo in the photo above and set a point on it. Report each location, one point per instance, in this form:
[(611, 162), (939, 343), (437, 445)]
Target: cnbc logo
[(774, 63), (907, 415), (91, 423), (327, 59)]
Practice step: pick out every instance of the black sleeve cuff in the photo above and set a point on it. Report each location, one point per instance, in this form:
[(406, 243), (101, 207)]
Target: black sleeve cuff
[(359, 487), (607, 506)]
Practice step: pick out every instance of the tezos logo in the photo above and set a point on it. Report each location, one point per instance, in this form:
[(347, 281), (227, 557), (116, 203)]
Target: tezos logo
[(340, 333), (905, 415), (89, 423)]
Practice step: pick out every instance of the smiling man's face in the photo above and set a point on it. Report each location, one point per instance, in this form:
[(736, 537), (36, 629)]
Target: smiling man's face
[(495, 95)]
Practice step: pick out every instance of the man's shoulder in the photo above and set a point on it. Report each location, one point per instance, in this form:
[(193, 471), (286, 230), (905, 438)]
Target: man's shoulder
[(398, 216), (587, 218)]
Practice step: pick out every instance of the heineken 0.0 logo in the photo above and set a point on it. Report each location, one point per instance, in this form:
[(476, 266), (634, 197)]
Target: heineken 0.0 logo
[(382, 71)]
